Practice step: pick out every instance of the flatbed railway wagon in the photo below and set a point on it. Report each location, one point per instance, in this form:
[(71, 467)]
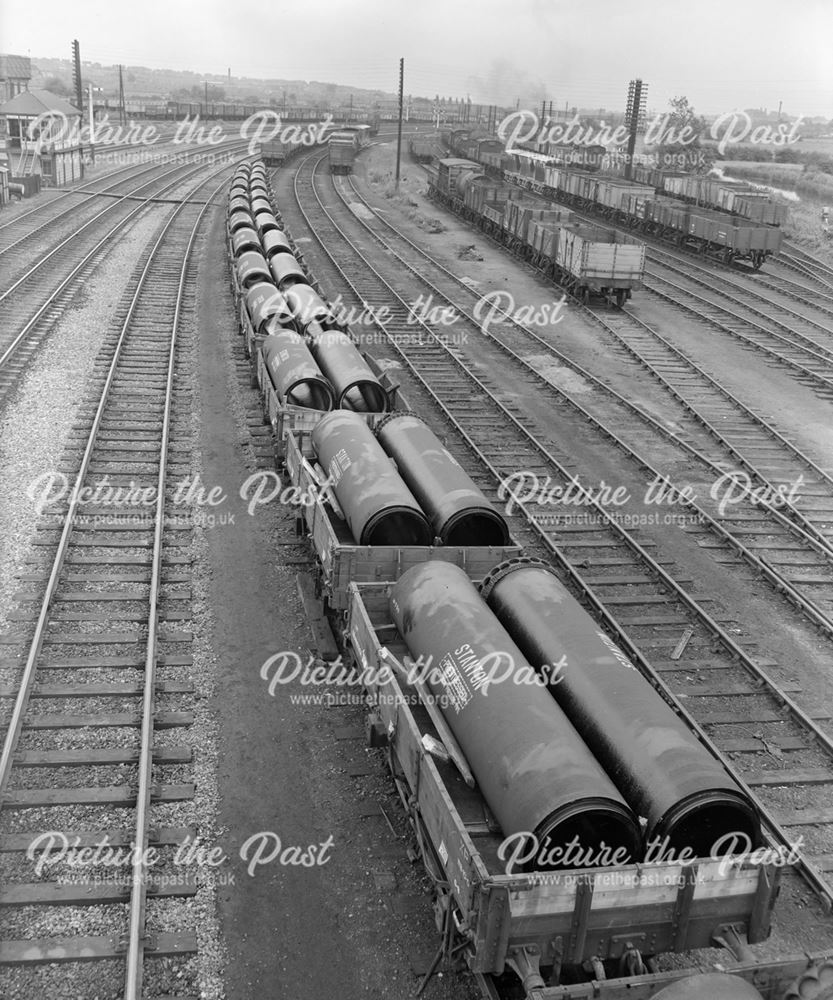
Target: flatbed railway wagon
[(279, 412), (340, 560), (288, 419), (598, 929)]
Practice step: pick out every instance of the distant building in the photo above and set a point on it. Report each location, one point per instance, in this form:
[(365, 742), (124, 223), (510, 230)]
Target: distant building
[(15, 74), (17, 114), (54, 123)]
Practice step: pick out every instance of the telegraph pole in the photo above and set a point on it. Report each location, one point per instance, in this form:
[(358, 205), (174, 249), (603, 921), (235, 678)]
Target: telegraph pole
[(76, 72), (399, 131), (122, 112), (92, 125), (635, 118)]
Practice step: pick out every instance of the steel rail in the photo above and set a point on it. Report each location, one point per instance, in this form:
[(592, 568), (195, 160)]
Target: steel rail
[(22, 334), (88, 196), (799, 365), (133, 977), (816, 538), (775, 283), (138, 895), (791, 257), (42, 261), (805, 532), (80, 187), (806, 350)]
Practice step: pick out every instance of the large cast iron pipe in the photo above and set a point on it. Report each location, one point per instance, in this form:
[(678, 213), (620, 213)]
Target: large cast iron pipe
[(711, 986), (238, 203), (357, 388), (537, 775), (307, 305), (266, 223), (264, 303), (293, 371), (244, 239), (239, 218), (261, 204), (286, 271), (379, 507), (657, 763), (251, 267), (275, 241), (457, 509)]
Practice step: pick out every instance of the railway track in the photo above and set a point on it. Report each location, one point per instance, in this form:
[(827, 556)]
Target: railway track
[(797, 341), (26, 237), (813, 361), (97, 704), (719, 682), (800, 291), (58, 273), (817, 333), (796, 259), (41, 220), (21, 224), (726, 436)]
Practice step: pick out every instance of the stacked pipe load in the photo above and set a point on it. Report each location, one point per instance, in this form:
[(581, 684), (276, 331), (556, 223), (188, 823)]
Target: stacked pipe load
[(456, 507), (261, 204), (244, 238), (275, 241), (294, 373), (251, 268), (544, 786), (307, 306), (266, 223), (239, 203), (280, 301), (377, 504), (240, 218), (663, 772), (286, 271), (355, 385), (267, 308)]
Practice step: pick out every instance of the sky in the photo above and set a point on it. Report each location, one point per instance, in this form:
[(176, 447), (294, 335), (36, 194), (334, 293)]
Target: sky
[(721, 54)]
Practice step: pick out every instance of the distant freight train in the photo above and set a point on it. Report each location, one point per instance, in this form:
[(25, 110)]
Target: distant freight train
[(584, 259), (730, 223)]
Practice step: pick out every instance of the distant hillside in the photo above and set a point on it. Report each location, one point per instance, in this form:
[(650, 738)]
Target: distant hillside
[(139, 82)]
